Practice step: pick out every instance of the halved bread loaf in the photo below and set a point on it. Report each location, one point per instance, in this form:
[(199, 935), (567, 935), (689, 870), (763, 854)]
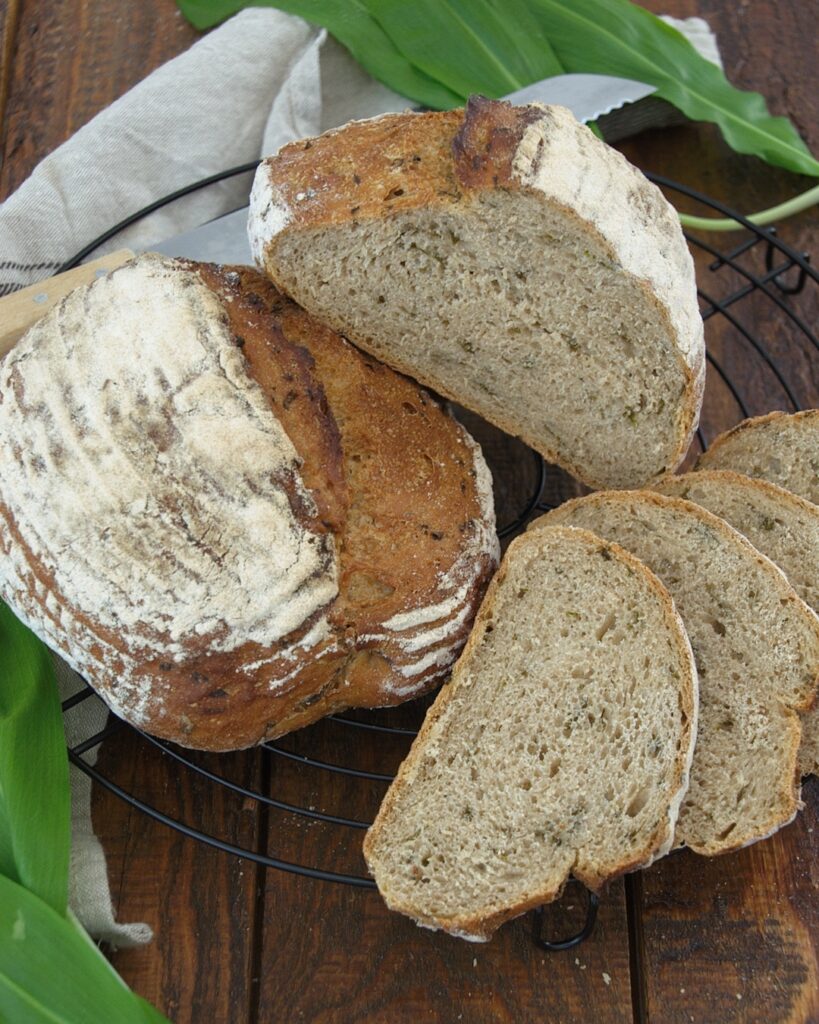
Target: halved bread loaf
[(560, 747), (510, 260), (756, 646), (780, 525), (224, 515), (782, 448)]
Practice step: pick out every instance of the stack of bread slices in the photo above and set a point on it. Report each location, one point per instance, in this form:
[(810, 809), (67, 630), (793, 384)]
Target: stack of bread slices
[(576, 738), (258, 523)]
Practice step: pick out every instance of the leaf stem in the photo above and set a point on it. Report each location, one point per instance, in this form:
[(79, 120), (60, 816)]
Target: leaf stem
[(792, 206)]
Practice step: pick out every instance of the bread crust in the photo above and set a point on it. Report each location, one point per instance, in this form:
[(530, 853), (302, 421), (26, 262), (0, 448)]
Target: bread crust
[(794, 502), (714, 455), (403, 162), (479, 927), (409, 537)]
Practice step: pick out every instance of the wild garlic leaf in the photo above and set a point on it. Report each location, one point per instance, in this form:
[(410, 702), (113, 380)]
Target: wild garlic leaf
[(35, 802), (51, 972), (498, 47), (204, 14), (616, 37), (350, 22), (436, 52), (7, 866)]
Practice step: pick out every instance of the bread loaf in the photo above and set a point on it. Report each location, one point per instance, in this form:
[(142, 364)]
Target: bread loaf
[(780, 525), (223, 515), (561, 745), (756, 645), (780, 447), (510, 260)]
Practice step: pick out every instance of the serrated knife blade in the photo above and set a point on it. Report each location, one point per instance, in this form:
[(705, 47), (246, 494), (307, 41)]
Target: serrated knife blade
[(588, 96)]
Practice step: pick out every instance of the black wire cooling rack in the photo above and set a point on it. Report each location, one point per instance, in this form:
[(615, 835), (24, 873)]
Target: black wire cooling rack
[(745, 294)]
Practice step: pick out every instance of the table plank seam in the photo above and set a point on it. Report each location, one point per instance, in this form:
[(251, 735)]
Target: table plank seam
[(11, 28), (257, 941), (636, 947)]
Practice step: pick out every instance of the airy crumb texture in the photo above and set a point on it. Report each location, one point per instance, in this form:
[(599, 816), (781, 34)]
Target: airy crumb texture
[(782, 448), (756, 646), (782, 526), (511, 261), (561, 746)]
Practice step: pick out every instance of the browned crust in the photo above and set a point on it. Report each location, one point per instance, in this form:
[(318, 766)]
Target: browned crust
[(795, 502), (419, 489), (808, 417), (751, 424), (285, 370), (368, 168), (788, 596), (483, 925), (484, 147)]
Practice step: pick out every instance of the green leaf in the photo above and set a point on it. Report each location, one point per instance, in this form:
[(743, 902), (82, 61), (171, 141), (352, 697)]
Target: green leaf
[(350, 22), (437, 52), (204, 14), (35, 801), (51, 972), (615, 37), (500, 48)]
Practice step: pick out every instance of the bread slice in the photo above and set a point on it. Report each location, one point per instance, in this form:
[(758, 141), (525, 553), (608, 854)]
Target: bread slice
[(225, 516), (782, 448), (560, 747), (756, 646), (511, 261), (780, 525)]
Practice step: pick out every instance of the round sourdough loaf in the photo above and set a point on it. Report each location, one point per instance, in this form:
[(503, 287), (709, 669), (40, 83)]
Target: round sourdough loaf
[(224, 516), (508, 259)]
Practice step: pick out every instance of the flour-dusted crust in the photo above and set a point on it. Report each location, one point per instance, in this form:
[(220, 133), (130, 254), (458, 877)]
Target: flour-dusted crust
[(780, 447), (757, 649), (399, 164), (389, 857), (223, 515)]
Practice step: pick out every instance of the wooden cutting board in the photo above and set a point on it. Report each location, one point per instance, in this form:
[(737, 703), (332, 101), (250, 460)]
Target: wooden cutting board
[(22, 309)]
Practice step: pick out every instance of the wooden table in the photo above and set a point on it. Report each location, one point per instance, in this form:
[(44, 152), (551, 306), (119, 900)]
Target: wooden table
[(732, 939)]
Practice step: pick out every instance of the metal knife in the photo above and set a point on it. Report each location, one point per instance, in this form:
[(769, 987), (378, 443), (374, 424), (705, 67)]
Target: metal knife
[(589, 97)]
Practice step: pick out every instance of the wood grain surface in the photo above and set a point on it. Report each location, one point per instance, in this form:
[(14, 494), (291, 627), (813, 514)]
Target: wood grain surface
[(690, 940), (201, 904)]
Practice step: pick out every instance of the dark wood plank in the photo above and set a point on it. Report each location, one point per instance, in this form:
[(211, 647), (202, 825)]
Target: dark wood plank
[(72, 59), (733, 939), (9, 16), (200, 902)]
